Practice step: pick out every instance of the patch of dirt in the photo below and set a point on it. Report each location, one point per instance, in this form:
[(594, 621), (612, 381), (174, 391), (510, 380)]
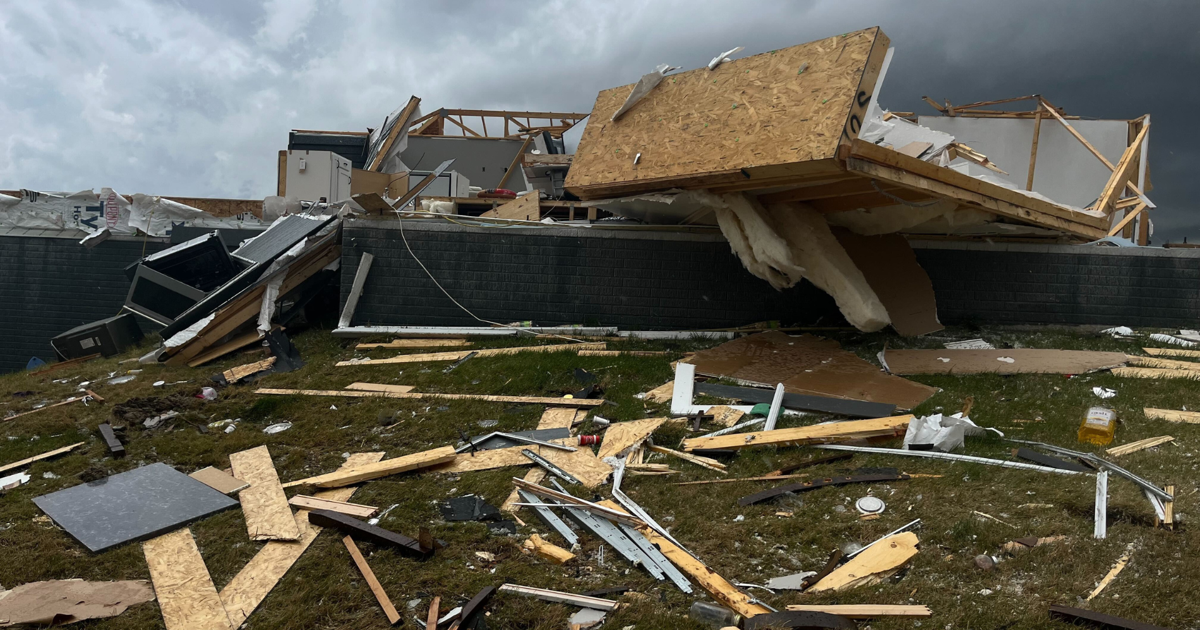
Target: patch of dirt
[(135, 410)]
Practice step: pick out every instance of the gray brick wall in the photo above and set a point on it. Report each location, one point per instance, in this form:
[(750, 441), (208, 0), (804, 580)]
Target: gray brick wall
[(562, 276), (50, 285), (1059, 284)]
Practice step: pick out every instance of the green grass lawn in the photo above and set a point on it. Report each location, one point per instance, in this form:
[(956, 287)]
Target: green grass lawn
[(324, 590)]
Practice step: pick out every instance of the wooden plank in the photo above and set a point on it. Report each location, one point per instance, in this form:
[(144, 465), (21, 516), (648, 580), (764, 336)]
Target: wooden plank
[(264, 504), (241, 341), (415, 343), (1088, 145), (219, 480), (1154, 362), (1122, 172), (341, 507), (236, 374), (766, 478), (57, 404), (547, 551), (431, 621), (837, 431), (623, 353), (1139, 445), (1156, 373), (54, 367), (525, 207), (1110, 576), (515, 162), (1037, 134), (532, 400), (1130, 215), (360, 279), (1172, 352), (254, 582), (281, 174), (703, 462), (560, 597), (380, 595), (547, 159), (37, 458), (620, 436), (1074, 615), (401, 124), (869, 567), (488, 352), (748, 118), (884, 156), (352, 526), (185, 591), (394, 466), (380, 387), (1170, 415), (864, 611)]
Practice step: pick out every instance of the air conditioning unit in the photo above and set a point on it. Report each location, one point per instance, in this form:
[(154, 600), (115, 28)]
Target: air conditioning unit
[(105, 337), (313, 175)]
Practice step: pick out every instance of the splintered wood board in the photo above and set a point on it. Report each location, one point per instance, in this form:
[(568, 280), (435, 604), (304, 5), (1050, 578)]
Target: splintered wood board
[(766, 114), (817, 433), (880, 560), (341, 507), (185, 591), (233, 375), (527, 207), (36, 458), (1013, 361), (560, 418), (1170, 364), (661, 394), (1156, 373), (622, 435), (717, 586), (1172, 352), (581, 463), (864, 611), (348, 393), (251, 585), (415, 343), (381, 595), (219, 480), (396, 465), (726, 416), (1139, 445), (455, 356), (380, 387), (1171, 415), (264, 504)]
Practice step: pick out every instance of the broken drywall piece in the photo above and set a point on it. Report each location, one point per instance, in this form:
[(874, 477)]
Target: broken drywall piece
[(58, 602), (643, 87), (586, 618), (1014, 361)]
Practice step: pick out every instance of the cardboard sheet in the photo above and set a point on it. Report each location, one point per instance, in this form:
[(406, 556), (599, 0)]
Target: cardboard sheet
[(57, 602), (1015, 361), (808, 365), (891, 268)]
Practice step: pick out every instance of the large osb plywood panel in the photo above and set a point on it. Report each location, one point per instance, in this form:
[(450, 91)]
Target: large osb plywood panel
[(759, 111)]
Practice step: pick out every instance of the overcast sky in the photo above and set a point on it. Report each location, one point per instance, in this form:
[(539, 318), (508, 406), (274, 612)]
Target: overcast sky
[(196, 97)]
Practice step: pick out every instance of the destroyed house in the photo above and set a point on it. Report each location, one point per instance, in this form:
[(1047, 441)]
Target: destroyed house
[(774, 186)]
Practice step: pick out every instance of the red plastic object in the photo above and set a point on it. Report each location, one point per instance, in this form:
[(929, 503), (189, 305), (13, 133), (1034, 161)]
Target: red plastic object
[(588, 440), (497, 193)]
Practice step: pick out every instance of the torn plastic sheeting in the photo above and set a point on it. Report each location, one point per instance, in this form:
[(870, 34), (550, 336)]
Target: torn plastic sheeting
[(91, 212), (724, 57), (271, 291), (189, 333), (644, 85), (945, 433)]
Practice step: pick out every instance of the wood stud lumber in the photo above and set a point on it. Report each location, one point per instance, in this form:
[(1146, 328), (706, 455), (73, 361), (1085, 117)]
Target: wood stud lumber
[(1133, 447), (548, 551), (1171, 415), (37, 458), (865, 611), (875, 563), (393, 466), (381, 595), (560, 597), (836, 431), (341, 507), (264, 504), (531, 400), (457, 355)]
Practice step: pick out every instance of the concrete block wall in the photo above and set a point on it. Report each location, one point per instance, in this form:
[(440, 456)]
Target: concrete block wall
[(631, 279), (50, 285)]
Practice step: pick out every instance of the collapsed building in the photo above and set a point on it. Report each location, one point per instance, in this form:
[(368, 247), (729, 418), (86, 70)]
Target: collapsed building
[(769, 187)]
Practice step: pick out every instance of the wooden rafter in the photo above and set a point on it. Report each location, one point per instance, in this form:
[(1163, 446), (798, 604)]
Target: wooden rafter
[(1120, 176), (1141, 207), (1088, 145), (555, 122)]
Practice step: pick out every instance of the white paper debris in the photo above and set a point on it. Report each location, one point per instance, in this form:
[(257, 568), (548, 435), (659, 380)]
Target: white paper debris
[(1006, 359), (1119, 331), (277, 428), (1104, 392)]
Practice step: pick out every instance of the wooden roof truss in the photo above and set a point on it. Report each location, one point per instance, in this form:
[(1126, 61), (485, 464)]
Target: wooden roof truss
[(473, 123)]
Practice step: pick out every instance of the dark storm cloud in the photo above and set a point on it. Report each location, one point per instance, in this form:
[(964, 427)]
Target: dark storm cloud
[(195, 98)]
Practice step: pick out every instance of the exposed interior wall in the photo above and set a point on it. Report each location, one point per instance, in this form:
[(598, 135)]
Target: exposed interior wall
[(1066, 171), (483, 161)]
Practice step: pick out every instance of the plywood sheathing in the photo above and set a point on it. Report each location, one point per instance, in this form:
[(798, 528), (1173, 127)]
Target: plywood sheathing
[(251, 585), (620, 436), (807, 365), (890, 266), (661, 394), (268, 516), (185, 591), (560, 418), (761, 118), (1013, 361)]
